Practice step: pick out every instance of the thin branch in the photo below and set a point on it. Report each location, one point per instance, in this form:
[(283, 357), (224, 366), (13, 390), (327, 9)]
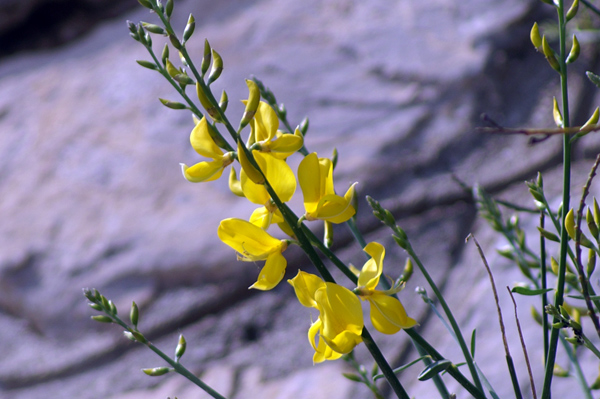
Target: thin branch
[(523, 344), (497, 128), (509, 361), (583, 280)]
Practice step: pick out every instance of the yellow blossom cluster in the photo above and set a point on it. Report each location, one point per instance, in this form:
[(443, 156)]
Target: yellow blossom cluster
[(340, 323)]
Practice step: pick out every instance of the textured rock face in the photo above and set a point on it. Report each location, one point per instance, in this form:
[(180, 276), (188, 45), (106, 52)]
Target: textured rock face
[(92, 195)]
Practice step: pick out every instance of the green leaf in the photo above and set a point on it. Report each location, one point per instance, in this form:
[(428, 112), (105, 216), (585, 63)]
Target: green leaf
[(593, 298), (529, 292), (434, 369), (473, 343)]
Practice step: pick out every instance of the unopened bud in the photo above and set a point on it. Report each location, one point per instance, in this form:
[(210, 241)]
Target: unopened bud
[(591, 265), (570, 224), (252, 173), (408, 270), (535, 37), (102, 319), (145, 3), (572, 10), (224, 101), (558, 119), (304, 126), (172, 104), (217, 67), (153, 28), (334, 158), (129, 336), (175, 42), (134, 314), (189, 28), (169, 8), (252, 103), (206, 58), (549, 53), (184, 79), (206, 103), (165, 54), (180, 349), (548, 235), (328, 234), (575, 50), (156, 371), (95, 306)]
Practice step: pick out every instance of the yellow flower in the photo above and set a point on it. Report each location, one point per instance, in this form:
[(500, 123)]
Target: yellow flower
[(387, 313), (264, 133), (204, 145), (253, 244), (315, 176), (340, 322)]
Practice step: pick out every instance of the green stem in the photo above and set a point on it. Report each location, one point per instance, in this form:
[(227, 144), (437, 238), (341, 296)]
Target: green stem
[(543, 266), (578, 372), (451, 319), (564, 237)]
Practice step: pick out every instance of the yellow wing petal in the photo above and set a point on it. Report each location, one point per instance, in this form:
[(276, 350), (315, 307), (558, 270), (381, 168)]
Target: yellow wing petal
[(388, 315), (202, 142), (372, 269), (203, 171), (271, 273)]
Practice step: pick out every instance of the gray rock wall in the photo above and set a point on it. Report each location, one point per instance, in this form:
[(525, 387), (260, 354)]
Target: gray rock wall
[(91, 194)]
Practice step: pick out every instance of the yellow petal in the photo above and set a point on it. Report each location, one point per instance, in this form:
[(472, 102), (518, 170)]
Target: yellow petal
[(256, 193), (279, 175), (309, 178), (202, 142), (334, 208), (203, 171), (250, 241), (271, 273), (388, 315), (253, 173), (234, 184), (372, 269), (266, 123), (263, 218), (342, 317), (286, 144), (305, 285)]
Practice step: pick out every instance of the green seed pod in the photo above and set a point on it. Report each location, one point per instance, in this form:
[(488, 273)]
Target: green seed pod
[(102, 319), (184, 79), (217, 67), (175, 42), (570, 224), (153, 28), (251, 104), (180, 349), (591, 265), (575, 50), (134, 314), (328, 234), (172, 104), (548, 235), (224, 101), (189, 28), (156, 371), (535, 37), (549, 53), (572, 10), (206, 58), (558, 119)]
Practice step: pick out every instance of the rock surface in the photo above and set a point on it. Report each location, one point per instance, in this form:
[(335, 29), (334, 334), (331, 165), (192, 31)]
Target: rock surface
[(92, 195)]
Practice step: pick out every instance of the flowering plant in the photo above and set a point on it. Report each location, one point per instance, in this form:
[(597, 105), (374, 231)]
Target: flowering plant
[(259, 149)]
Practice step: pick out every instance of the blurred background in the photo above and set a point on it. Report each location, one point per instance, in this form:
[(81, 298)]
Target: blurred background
[(91, 192)]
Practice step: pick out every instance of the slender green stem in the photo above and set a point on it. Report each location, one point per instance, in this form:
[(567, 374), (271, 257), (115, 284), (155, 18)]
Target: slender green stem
[(564, 237), (451, 319), (578, 372), (543, 276)]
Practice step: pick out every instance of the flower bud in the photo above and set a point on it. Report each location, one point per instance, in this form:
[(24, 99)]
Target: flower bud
[(282, 111), (234, 184), (572, 11), (113, 307), (172, 104), (558, 119), (591, 265), (129, 336), (591, 123), (147, 64), (217, 67), (570, 224), (169, 8), (184, 79), (102, 319), (548, 235), (334, 158), (134, 314), (95, 306), (153, 28), (408, 270), (595, 79), (156, 371), (206, 58), (189, 28), (535, 37), (575, 50), (175, 42), (139, 337), (224, 101), (252, 103), (171, 70), (145, 3), (536, 315), (549, 53), (252, 173), (165, 54), (180, 349), (206, 103), (304, 126), (591, 223)]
